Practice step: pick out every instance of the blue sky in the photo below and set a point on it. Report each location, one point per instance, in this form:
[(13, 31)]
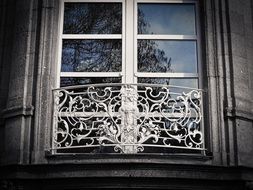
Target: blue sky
[(169, 18), (182, 53)]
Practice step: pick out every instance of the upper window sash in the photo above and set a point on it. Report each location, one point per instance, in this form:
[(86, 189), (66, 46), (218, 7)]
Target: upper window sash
[(194, 37), (104, 37)]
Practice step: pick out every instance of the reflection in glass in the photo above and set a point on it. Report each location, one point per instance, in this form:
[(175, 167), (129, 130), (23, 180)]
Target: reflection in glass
[(92, 18), (71, 81), (91, 56), (174, 91), (166, 19), (167, 56), (191, 83)]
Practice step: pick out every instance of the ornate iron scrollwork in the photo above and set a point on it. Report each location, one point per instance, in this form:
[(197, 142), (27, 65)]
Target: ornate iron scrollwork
[(127, 118)]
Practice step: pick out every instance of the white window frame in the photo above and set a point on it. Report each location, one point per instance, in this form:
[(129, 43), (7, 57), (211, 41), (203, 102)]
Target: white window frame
[(89, 36), (129, 37), (196, 38)]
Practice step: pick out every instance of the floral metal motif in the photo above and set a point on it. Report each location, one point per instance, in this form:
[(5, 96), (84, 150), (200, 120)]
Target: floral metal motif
[(127, 118)]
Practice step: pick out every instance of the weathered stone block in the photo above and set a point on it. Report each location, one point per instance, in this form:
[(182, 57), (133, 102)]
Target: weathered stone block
[(244, 142), (237, 23), (238, 45)]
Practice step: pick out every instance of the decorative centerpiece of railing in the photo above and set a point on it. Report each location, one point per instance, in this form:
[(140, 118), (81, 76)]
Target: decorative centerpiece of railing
[(127, 118)]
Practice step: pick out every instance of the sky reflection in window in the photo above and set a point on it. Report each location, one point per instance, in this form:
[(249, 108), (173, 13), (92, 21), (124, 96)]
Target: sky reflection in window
[(190, 83), (167, 56), (166, 19)]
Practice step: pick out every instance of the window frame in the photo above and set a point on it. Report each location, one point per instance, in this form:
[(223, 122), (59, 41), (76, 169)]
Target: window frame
[(196, 38), (129, 45), (63, 36), (130, 37), (47, 77)]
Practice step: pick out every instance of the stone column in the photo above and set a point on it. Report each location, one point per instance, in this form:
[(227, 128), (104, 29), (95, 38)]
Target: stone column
[(19, 106)]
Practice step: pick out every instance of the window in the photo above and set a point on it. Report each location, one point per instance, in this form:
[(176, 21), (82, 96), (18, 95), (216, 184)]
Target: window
[(167, 44), (139, 61), (91, 43), (101, 43)]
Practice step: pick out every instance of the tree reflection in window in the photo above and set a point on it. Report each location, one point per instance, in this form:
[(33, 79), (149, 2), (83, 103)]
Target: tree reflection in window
[(105, 55), (91, 56), (71, 81), (92, 18), (150, 57)]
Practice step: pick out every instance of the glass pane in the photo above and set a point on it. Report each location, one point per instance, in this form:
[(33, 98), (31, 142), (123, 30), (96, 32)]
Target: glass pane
[(71, 81), (166, 19), (92, 18), (91, 56), (167, 56), (191, 83), (174, 91)]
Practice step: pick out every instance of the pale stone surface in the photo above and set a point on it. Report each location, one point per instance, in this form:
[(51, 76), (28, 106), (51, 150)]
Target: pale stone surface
[(245, 142)]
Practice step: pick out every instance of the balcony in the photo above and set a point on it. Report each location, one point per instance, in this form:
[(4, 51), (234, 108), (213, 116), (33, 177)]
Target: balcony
[(127, 118)]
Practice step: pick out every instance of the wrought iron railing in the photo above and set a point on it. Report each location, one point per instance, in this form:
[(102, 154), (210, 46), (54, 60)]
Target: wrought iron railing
[(127, 118)]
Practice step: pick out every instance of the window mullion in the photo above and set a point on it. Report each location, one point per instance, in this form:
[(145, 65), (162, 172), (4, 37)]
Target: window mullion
[(129, 35)]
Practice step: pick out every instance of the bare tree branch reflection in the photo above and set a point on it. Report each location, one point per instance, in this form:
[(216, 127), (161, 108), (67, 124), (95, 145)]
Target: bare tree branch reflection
[(91, 56), (93, 18), (71, 81), (150, 57), (104, 55)]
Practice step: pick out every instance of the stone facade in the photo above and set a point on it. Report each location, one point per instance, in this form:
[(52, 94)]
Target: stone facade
[(28, 44)]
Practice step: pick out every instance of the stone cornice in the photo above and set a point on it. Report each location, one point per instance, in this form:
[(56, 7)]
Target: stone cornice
[(238, 113), (151, 170), (18, 111)]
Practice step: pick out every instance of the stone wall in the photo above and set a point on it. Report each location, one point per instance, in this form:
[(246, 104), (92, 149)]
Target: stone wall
[(241, 60)]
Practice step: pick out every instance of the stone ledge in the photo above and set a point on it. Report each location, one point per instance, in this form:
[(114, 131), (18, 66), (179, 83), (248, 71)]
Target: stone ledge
[(18, 111), (126, 170), (195, 159), (123, 183), (238, 113)]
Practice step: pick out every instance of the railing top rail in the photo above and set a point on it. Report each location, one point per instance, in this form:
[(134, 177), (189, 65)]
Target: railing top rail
[(122, 84)]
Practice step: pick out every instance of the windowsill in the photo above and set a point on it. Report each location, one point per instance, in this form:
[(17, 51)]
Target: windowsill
[(129, 158)]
